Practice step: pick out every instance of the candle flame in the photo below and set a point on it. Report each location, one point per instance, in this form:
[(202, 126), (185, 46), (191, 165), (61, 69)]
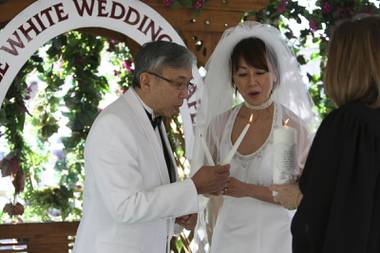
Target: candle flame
[(286, 122), (250, 118)]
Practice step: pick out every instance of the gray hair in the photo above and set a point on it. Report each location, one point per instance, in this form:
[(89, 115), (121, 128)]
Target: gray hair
[(157, 55)]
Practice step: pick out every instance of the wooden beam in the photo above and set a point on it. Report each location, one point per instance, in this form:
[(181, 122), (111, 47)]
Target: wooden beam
[(10, 8), (215, 16), (203, 27), (21, 230), (206, 21), (39, 237), (230, 5)]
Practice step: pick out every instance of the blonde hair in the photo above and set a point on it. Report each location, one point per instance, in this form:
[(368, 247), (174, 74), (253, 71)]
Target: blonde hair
[(353, 65)]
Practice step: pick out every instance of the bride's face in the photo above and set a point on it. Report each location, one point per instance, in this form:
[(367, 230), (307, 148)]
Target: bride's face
[(254, 84)]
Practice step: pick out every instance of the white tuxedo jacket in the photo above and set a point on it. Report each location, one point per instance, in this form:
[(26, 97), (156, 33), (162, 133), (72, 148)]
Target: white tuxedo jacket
[(129, 203)]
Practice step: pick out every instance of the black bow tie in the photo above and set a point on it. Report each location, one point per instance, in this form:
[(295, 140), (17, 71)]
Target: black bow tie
[(169, 164), (156, 121)]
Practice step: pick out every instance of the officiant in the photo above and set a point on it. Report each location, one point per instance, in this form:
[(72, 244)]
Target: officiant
[(131, 195), (340, 208)]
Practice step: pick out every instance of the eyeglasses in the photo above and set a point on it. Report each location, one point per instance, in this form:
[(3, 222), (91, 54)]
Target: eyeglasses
[(178, 85)]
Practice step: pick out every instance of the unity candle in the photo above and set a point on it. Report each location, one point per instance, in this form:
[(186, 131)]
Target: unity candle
[(235, 147), (284, 163)]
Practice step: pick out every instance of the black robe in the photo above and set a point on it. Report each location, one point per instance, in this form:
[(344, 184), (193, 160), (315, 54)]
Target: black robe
[(340, 209)]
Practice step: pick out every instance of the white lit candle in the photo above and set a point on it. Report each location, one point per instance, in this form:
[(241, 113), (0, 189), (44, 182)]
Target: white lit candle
[(207, 152), (284, 165), (237, 143)]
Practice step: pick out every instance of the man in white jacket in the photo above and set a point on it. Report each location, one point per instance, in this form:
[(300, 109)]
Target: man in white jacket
[(131, 196)]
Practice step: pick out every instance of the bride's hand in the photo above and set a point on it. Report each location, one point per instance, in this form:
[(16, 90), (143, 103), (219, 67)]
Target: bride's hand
[(235, 188)]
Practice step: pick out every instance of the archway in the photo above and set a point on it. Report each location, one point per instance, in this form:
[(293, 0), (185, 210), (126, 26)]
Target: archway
[(44, 20)]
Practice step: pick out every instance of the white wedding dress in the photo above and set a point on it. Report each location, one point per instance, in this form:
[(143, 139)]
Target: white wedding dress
[(248, 224)]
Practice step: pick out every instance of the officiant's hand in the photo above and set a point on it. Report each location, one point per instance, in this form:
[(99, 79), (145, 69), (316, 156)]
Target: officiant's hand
[(287, 195), (236, 188), (209, 179), (187, 221)]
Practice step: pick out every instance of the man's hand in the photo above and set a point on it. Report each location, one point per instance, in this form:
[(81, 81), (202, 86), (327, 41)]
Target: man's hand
[(187, 221), (211, 179)]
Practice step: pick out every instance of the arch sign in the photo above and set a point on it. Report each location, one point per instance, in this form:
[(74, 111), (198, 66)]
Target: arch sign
[(46, 19)]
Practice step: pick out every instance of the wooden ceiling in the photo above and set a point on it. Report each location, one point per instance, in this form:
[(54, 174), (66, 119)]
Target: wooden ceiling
[(200, 31)]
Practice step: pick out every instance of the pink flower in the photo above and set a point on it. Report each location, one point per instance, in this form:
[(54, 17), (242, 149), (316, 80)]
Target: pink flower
[(10, 165), (168, 3), (127, 64), (112, 44), (198, 4), (313, 25), (17, 209), (281, 8), (19, 181), (326, 8), (28, 92)]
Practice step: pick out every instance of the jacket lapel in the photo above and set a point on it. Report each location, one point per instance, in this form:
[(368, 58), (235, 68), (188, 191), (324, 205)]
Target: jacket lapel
[(167, 143), (137, 108)]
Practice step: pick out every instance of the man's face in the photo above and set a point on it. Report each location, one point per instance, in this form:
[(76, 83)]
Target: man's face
[(170, 89)]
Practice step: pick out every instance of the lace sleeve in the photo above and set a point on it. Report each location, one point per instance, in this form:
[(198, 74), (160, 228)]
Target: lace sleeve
[(215, 132)]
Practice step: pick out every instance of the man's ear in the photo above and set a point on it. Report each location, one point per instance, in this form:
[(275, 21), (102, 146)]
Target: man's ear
[(145, 82)]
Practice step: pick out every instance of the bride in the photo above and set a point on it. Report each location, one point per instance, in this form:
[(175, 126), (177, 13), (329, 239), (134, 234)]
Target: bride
[(252, 62)]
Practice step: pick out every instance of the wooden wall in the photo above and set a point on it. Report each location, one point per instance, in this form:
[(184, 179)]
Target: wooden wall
[(200, 31)]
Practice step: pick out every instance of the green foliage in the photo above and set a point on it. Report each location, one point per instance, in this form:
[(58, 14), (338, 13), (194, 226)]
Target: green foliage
[(121, 58), (12, 116), (51, 202), (321, 22), (81, 57), (70, 68)]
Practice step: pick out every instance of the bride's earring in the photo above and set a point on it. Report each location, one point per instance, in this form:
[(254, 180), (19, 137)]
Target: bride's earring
[(235, 88), (275, 84)]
